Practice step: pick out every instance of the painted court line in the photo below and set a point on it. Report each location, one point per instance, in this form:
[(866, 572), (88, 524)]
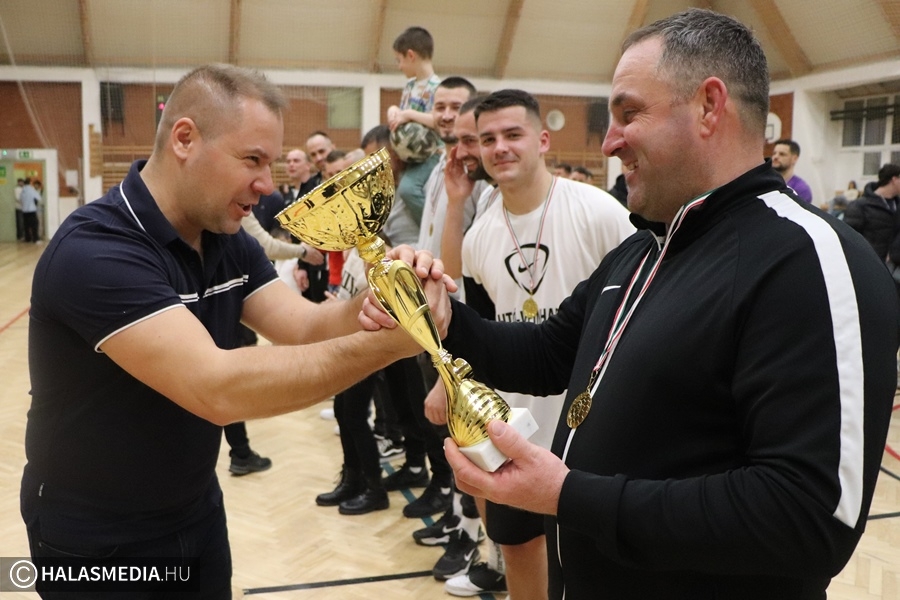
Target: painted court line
[(336, 582), (14, 319)]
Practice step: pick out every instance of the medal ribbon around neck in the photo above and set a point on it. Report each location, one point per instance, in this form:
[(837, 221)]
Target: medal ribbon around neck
[(580, 407), (530, 307)]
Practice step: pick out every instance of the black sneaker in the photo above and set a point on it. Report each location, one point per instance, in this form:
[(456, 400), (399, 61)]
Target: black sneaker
[(389, 450), (432, 501), (404, 478), (439, 532), (252, 464), (366, 502), (481, 579), (460, 555)]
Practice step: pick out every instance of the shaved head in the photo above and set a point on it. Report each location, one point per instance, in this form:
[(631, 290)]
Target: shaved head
[(207, 93)]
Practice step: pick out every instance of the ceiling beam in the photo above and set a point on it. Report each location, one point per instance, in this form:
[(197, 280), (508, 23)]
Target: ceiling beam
[(891, 11), (780, 34), (87, 43), (635, 20), (234, 32), (504, 49), (377, 36)]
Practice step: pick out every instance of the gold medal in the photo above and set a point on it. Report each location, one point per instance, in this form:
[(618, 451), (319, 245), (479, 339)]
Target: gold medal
[(579, 409), (530, 308)]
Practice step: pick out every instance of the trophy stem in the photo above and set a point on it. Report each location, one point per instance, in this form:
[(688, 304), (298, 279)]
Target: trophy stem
[(371, 250), (443, 363)]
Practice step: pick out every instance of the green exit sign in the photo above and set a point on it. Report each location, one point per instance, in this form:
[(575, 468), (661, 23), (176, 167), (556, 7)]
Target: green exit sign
[(24, 153)]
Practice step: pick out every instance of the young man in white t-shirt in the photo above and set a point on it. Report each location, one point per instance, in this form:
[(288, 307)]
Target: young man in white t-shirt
[(539, 236)]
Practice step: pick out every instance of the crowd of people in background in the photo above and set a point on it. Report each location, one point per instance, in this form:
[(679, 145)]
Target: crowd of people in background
[(579, 173)]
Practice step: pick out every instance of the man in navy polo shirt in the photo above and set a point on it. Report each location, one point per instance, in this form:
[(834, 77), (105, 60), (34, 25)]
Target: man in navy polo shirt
[(134, 339)]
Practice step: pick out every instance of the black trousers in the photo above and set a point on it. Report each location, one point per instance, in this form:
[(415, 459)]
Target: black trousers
[(30, 224), (202, 547), (236, 433), (236, 436), (351, 409), (318, 281), (421, 437)]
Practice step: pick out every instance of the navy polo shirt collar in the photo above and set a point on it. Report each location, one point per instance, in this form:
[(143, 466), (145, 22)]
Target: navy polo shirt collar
[(151, 219)]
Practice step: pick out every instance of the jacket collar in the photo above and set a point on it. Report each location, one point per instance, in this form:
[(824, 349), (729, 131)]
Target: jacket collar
[(722, 200)]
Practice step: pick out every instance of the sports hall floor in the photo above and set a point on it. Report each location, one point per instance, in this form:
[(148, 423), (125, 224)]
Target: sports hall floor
[(286, 548)]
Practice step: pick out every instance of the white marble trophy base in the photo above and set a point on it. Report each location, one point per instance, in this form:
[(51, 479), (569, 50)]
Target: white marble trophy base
[(485, 454)]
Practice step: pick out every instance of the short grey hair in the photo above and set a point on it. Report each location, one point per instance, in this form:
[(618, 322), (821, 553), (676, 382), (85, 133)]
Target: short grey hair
[(698, 44)]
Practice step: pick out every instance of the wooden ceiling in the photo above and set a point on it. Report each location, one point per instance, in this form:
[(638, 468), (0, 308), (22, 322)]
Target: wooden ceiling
[(573, 41)]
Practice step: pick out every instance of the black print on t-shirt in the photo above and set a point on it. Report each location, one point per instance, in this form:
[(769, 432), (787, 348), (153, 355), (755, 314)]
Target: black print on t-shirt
[(519, 271)]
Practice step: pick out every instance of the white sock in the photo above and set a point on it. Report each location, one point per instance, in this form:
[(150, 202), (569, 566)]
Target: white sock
[(495, 557), (470, 526)]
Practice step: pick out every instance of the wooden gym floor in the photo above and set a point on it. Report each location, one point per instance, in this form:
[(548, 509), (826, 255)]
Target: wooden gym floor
[(285, 547)]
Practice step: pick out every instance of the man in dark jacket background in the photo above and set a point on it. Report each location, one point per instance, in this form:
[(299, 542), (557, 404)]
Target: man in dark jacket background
[(874, 214)]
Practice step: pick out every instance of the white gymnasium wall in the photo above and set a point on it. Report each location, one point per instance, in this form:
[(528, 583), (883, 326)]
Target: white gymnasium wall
[(823, 163)]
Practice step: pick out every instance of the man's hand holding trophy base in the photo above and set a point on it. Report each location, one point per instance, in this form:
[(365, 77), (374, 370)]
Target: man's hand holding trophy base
[(349, 210)]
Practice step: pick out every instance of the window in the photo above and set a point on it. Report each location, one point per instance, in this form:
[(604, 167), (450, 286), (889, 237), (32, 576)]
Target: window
[(871, 163), (853, 125), (895, 134), (872, 126), (876, 121), (112, 102)]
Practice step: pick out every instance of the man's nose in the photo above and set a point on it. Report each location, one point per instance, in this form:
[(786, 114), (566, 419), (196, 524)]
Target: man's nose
[(613, 140)]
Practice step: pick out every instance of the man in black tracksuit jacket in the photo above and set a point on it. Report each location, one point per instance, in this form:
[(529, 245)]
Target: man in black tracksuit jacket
[(749, 343)]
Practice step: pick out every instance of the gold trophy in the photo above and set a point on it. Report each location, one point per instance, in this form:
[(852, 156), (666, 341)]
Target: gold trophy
[(348, 211)]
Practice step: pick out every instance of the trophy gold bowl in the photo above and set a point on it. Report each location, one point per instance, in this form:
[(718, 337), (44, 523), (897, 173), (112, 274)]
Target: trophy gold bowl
[(347, 211)]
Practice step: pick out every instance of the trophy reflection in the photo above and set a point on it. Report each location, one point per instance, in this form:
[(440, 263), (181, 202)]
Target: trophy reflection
[(348, 211)]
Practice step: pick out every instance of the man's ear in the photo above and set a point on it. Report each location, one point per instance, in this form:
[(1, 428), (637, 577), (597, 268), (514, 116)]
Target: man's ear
[(545, 141), (184, 134), (712, 96)]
